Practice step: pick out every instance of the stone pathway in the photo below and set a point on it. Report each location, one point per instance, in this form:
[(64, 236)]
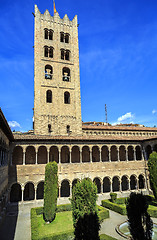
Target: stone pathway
[(17, 225)]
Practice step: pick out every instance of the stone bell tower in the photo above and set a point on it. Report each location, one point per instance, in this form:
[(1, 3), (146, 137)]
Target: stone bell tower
[(57, 102)]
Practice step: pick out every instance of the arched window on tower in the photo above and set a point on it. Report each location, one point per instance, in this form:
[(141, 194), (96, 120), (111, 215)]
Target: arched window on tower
[(51, 52), (48, 72), (46, 51), (46, 33), (49, 96), (62, 37), (68, 129), (67, 98), (50, 34), (66, 74), (62, 54), (67, 55), (66, 38)]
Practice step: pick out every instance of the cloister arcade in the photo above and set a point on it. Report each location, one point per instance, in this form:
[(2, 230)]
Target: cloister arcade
[(78, 154), (32, 191)]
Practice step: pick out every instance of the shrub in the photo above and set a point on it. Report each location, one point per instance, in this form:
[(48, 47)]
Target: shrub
[(84, 210), (113, 197), (106, 237), (152, 166), (114, 207), (50, 191), (64, 207), (102, 213), (140, 223)]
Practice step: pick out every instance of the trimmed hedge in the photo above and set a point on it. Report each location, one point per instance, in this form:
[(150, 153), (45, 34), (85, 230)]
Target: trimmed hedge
[(102, 213), (64, 207), (106, 237), (114, 207), (50, 191), (113, 197)]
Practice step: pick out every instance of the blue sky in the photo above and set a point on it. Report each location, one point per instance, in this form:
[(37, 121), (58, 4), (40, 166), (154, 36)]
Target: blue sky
[(118, 59)]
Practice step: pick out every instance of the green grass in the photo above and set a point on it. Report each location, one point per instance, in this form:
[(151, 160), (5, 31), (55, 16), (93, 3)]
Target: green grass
[(106, 237), (62, 223)]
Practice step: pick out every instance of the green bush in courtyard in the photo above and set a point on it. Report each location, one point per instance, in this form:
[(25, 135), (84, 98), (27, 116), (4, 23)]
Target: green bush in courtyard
[(152, 166), (84, 210), (50, 191), (113, 197)]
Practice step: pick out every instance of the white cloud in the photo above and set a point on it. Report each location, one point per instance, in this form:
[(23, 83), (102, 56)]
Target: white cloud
[(14, 124), (154, 111), (125, 116)]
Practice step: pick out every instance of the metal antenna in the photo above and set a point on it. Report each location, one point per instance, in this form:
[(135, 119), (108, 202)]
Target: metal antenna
[(106, 112)]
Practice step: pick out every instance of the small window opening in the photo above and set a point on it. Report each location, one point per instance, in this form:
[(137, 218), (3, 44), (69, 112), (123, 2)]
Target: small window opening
[(49, 96), (49, 128), (46, 51), (66, 74), (48, 72), (50, 35), (46, 34), (67, 55), (62, 37), (67, 98), (68, 129), (51, 52), (66, 38)]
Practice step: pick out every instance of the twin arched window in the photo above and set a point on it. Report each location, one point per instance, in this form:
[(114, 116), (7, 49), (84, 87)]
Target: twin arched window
[(49, 96), (48, 34), (64, 37), (67, 98), (48, 51), (48, 72), (65, 54)]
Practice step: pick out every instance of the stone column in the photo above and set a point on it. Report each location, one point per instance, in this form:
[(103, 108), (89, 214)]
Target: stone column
[(134, 154), (36, 157), (60, 156), (80, 156), (111, 189), (59, 191), (48, 155), (70, 189), (35, 195), (126, 155), (109, 155), (118, 155), (70, 156), (90, 155), (101, 187), (24, 158), (129, 185), (22, 199), (120, 186), (11, 157)]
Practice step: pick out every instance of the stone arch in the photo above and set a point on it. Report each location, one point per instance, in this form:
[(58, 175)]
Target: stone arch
[(75, 154), (148, 151), (138, 153), (75, 181), (65, 188), (95, 154), (133, 182), (124, 183), (15, 193), (122, 153), (54, 154), (106, 185), (65, 154), (98, 184), (114, 153), (115, 184), (40, 190), (17, 157), (141, 181), (155, 148), (104, 154), (130, 153), (85, 154), (42, 155), (30, 155), (29, 192)]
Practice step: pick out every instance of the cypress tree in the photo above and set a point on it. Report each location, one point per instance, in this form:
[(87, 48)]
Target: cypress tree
[(50, 191)]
